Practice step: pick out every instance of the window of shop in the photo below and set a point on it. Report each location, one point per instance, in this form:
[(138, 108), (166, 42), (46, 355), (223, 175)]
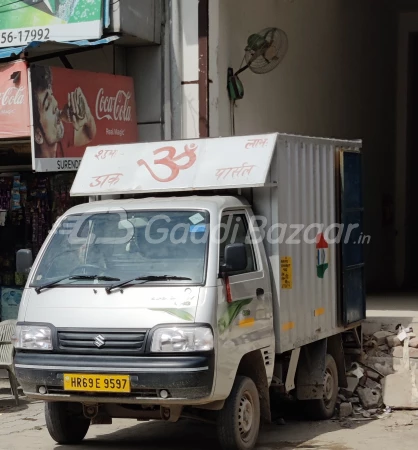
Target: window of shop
[(29, 205)]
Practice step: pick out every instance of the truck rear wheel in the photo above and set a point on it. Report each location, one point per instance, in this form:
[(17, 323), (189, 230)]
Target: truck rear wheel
[(238, 423), (324, 408), (66, 423)]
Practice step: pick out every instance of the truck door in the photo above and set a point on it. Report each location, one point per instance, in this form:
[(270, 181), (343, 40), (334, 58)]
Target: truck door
[(352, 277), (250, 310)]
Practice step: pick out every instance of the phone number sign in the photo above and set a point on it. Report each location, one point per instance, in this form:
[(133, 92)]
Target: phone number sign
[(24, 36), (25, 21)]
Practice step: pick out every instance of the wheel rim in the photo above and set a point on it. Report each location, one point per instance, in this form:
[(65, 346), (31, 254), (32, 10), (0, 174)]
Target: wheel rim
[(328, 387), (246, 415)]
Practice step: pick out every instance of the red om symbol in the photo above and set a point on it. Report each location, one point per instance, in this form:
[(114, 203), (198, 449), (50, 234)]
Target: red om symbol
[(170, 161)]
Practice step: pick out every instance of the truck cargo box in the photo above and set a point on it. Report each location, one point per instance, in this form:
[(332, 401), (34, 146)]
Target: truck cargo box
[(319, 280)]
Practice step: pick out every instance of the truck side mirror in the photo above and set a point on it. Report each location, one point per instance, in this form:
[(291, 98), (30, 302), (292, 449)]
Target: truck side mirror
[(24, 261), (235, 258)]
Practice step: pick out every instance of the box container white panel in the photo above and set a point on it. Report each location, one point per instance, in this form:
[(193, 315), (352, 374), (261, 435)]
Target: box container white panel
[(306, 171)]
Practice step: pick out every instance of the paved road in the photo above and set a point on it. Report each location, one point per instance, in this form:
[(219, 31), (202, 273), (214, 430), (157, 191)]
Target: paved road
[(24, 428)]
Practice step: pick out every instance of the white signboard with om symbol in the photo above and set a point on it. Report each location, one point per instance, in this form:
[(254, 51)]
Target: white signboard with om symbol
[(201, 164)]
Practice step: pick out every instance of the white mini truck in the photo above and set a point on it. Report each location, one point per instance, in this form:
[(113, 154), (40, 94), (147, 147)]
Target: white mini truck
[(202, 277)]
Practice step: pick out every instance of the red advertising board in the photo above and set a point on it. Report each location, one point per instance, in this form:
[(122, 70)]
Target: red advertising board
[(73, 109), (14, 101)]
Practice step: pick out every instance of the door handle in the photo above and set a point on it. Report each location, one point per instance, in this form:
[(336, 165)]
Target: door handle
[(259, 292)]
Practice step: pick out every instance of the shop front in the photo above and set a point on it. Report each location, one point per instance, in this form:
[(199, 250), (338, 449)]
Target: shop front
[(48, 116)]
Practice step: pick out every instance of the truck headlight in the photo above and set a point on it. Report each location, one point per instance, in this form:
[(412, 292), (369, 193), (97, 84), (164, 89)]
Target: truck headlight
[(32, 337), (178, 340)]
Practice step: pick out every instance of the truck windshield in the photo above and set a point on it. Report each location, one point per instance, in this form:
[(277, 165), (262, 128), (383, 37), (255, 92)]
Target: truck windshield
[(102, 248)]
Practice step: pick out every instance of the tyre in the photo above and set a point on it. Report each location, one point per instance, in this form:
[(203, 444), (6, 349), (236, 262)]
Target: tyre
[(238, 422), (66, 423), (324, 408)]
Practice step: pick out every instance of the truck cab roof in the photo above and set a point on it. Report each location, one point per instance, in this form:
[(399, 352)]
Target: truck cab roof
[(210, 203)]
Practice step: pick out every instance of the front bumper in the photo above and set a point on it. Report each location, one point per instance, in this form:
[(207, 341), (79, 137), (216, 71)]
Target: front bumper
[(188, 379)]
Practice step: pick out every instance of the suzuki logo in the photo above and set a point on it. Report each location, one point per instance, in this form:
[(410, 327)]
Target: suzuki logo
[(99, 341)]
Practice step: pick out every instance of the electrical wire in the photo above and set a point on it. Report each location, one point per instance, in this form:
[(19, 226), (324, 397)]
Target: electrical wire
[(232, 117), (242, 62)]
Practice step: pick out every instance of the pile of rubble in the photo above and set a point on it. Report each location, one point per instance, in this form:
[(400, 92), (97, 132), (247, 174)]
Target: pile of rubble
[(387, 343), (363, 399)]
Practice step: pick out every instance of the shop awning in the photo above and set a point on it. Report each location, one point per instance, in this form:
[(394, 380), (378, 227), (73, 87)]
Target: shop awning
[(37, 49)]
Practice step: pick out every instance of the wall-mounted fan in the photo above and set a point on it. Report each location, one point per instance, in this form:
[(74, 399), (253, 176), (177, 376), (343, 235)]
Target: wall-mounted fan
[(264, 52)]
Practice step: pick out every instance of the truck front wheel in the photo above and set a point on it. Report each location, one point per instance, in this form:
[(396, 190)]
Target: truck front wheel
[(239, 421), (66, 423), (324, 408)]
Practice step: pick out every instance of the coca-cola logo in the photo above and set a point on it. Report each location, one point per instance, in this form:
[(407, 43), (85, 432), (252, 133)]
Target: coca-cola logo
[(114, 108), (12, 96)]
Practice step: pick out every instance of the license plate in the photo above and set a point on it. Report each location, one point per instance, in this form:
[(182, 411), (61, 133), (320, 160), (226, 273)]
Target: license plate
[(96, 383)]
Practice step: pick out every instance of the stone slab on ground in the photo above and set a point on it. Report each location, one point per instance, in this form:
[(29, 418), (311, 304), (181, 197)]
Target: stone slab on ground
[(393, 341), (400, 390), (380, 337), (346, 409), (385, 365), (370, 398)]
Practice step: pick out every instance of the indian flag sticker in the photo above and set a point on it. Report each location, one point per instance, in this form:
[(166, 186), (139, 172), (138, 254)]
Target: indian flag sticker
[(322, 255)]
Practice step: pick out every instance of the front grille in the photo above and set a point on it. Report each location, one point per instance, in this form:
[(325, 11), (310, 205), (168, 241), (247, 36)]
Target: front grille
[(101, 343)]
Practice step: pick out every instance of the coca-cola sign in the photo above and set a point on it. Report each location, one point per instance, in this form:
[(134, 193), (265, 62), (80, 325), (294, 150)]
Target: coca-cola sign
[(91, 109), (13, 96), (14, 101), (116, 107)]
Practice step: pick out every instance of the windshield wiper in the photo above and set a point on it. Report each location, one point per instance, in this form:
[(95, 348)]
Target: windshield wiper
[(147, 279), (39, 289)]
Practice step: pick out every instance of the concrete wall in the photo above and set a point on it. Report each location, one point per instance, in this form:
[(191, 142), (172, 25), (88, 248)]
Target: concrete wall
[(184, 63), (144, 64), (337, 80), (138, 19)]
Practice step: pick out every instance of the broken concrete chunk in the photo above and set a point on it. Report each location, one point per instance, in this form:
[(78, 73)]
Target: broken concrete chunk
[(380, 337), (397, 352), (385, 369), (373, 375), (355, 371), (346, 409), (384, 348), (362, 381), (370, 398), (413, 343), (354, 400), (400, 390), (352, 383), (393, 341), (372, 384)]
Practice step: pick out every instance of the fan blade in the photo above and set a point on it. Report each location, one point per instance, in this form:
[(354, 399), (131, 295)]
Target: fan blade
[(271, 53)]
